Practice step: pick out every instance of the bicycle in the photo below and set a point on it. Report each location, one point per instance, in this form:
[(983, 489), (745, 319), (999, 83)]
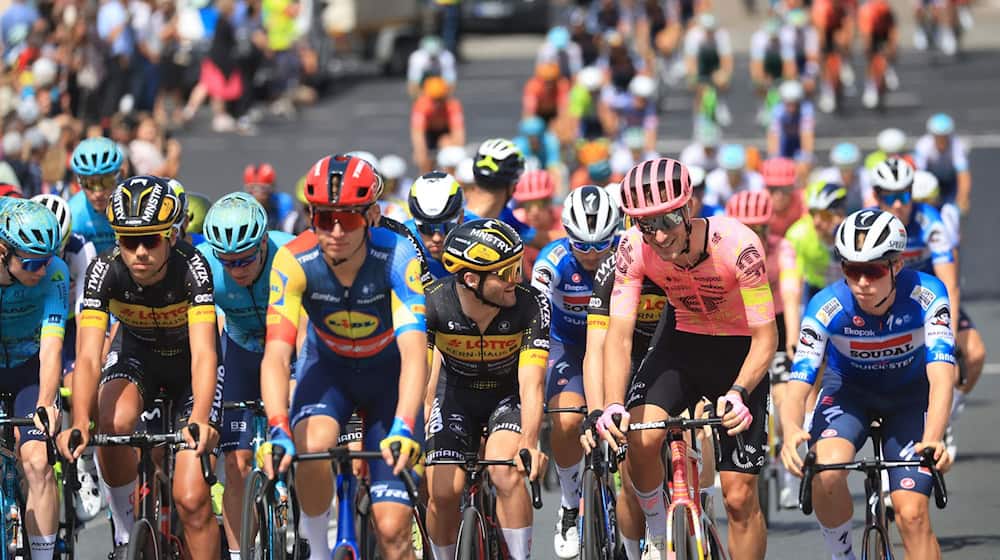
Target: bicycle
[(599, 532), (68, 484), (875, 543), (13, 533), (153, 536), (479, 535), (691, 529)]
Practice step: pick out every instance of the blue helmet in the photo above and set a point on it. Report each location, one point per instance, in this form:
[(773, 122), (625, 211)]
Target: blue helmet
[(29, 227), (96, 156), (235, 223), (600, 171), (845, 154), (558, 37), (732, 157), (940, 125)]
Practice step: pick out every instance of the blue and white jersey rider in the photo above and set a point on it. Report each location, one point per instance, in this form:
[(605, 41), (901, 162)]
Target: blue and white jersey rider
[(96, 163)]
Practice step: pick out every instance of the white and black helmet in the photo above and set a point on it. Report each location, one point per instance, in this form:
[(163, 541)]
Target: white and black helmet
[(893, 174), (435, 197), (591, 214), (60, 208), (498, 164), (870, 235)]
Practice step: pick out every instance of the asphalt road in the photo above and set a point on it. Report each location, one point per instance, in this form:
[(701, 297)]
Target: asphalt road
[(372, 114)]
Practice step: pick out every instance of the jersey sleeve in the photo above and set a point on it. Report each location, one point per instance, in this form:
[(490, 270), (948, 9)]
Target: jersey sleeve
[(56, 300), (545, 273), (535, 340), (400, 229), (287, 284), (96, 293), (959, 159), (629, 270), (788, 275), (407, 290), (937, 238), (939, 339), (78, 265), (201, 297), (813, 337), (751, 276), (456, 117), (599, 308)]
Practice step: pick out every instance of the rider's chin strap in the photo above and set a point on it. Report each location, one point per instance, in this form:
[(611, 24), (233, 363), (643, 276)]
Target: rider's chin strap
[(892, 277), (478, 290), (687, 229)]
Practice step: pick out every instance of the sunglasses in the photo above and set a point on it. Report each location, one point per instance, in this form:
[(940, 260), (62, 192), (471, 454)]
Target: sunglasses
[(34, 264), (871, 271), (238, 263), (597, 247), (536, 204), (326, 220), (99, 183), (826, 215), (510, 273), (429, 229), (891, 197), (132, 242), (649, 225)]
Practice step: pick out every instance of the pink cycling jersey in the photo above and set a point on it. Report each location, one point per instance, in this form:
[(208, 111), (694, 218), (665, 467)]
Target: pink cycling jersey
[(781, 271), (723, 295)]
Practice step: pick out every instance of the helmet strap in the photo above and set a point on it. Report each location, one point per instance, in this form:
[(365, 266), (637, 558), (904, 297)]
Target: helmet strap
[(338, 262), (687, 229), (478, 290), (892, 278)]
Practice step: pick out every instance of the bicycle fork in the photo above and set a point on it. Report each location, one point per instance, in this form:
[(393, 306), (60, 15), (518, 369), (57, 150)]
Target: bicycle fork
[(347, 487)]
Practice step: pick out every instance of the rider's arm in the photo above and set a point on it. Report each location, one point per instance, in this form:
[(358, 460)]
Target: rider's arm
[(961, 163), (53, 327), (789, 69), (529, 98), (418, 125), (202, 336), (92, 324), (939, 345), (758, 305), (607, 115), (531, 370), (288, 282), (808, 133), (624, 303), (408, 307), (597, 332), (725, 55), (945, 266), (456, 122), (809, 356), (790, 279)]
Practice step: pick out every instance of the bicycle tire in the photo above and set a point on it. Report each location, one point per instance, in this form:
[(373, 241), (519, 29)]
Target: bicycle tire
[(681, 532), (714, 550), (594, 545), (471, 536), (143, 543), (25, 552), (252, 518), (877, 548)]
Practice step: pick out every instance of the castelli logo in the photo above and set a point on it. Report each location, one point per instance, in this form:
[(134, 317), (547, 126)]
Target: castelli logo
[(858, 321)]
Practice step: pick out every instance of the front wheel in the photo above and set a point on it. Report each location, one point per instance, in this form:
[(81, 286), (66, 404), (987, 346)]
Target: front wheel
[(876, 546), (143, 543), (681, 544), (471, 536), (594, 545), (254, 542)]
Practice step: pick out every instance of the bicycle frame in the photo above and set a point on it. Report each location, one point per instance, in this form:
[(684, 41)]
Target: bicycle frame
[(12, 522)]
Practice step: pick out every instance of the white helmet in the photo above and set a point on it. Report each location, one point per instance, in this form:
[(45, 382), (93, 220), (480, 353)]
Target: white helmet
[(891, 141), (391, 167), (44, 70), (615, 190), (591, 78), (451, 156), (464, 172), (791, 91), (696, 175), (590, 214), (893, 174), (884, 236), (642, 86), (925, 186), (60, 208)]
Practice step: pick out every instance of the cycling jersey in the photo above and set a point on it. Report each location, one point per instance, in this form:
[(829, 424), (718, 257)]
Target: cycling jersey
[(799, 46), (564, 282), (422, 65), (652, 301), (420, 251), (813, 258), (30, 313), (875, 18), (430, 116), (708, 48), (880, 354), (91, 224), (279, 207), (724, 293), (77, 255), (766, 49), (944, 166), (782, 275), (547, 153), (434, 266), (927, 240), (155, 317), (543, 99), (860, 192), (790, 126), (709, 210), (487, 359), (630, 114), (718, 186), (245, 307)]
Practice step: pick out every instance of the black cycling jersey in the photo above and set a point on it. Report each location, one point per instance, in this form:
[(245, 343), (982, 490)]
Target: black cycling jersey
[(652, 302), (399, 229), (490, 359)]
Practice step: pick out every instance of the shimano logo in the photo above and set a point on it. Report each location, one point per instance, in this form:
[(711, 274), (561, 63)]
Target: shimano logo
[(324, 297), (859, 332)]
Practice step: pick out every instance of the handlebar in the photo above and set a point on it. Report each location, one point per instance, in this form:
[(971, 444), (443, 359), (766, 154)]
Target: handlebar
[(206, 462), (680, 424), (342, 455), (147, 440), (475, 464), (255, 405)]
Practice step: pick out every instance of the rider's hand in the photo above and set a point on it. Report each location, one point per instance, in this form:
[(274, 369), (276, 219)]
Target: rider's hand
[(52, 412), (942, 460), (409, 448), (587, 429), (737, 419), (538, 462), (790, 449), (280, 434), (62, 442), (606, 427), (207, 436)]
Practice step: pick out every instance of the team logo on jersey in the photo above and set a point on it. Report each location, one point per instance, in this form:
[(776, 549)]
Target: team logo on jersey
[(828, 311), (543, 276), (750, 262), (351, 324), (923, 296), (278, 288), (808, 337), (576, 278), (858, 321), (650, 307), (942, 317), (58, 276), (886, 348), (413, 276)]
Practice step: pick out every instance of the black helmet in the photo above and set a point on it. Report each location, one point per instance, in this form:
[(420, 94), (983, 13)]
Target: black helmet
[(435, 197), (143, 204), (498, 164), (482, 246)]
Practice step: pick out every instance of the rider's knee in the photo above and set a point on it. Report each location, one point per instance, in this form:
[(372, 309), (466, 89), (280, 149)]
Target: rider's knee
[(35, 463), (193, 503), (114, 420), (741, 498), (912, 516), (238, 465), (506, 480), (394, 529), (829, 481)]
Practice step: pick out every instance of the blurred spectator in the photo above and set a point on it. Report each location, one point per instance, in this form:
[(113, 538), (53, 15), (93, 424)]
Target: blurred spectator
[(450, 24), (114, 29), (282, 52), (15, 25), (13, 153), (431, 59), (258, 180), (151, 153), (220, 79)]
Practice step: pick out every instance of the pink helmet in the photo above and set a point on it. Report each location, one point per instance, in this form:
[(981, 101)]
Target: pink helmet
[(750, 207), (778, 172), (655, 186), (534, 185)]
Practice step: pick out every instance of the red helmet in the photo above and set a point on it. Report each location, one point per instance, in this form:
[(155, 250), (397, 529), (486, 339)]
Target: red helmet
[(342, 180), (534, 185), (655, 186), (778, 172), (10, 190), (750, 207), (262, 174)]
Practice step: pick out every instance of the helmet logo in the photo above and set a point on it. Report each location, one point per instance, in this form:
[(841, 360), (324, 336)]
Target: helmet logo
[(590, 203), (480, 252), (487, 161), (867, 218)]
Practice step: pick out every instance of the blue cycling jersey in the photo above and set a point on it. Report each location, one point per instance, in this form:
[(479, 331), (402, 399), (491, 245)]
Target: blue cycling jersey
[(568, 287), (507, 216), (547, 153), (789, 126), (29, 313), (927, 240), (881, 354), (91, 224), (245, 308), (278, 209), (434, 265), (709, 210)]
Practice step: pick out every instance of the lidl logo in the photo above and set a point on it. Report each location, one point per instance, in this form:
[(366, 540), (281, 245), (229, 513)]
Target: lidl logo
[(353, 325)]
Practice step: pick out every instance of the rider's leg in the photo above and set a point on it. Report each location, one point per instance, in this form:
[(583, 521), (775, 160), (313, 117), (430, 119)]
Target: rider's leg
[(192, 497), (394, 524), (914, 521), (42, 515), (119, 404), (513, 503), (645, 468), (564, 389), (238, 464), (631, 521), (831, 498), (974, 356), (566, 449), (314, 481), (444, 484)]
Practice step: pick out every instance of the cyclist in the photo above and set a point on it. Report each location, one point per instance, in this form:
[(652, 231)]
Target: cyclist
[(834, 21), (811, 236), (930, 249), (698, 206), (160, 290), (436, 120), (946, 156), (890, 142), (496, 168), (436, 206), (792, 133), (800, 50), (731, 177), (717, 341), (540, 148), (704, 151), (365, 348), (766, 66), (96, 163), (848, 172), (396, 186), (546, 94), (259, 181), (563, 274), (708, 54), (239, 250), (631, 108), (880, 36), (583, 102), (598, 172), (430, 59), (940, 15), (34, 300), (449, 158), (492, 337), (780, 179), (560, 48), (533, 196), (884, 332)]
